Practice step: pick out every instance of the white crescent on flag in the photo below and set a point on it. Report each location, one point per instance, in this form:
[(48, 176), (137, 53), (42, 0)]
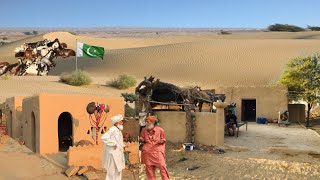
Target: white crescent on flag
[(88, 52)]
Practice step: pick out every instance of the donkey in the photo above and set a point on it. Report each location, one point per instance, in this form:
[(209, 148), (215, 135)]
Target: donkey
[(64, 53), (37, 44), (7, 67)]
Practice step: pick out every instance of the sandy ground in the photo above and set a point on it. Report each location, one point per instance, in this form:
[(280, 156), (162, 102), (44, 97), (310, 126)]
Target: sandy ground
[(246, 157), (31, 85), (249, 156), (22, 163)]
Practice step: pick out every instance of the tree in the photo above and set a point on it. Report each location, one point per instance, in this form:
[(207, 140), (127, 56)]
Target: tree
[(285, 28), (314, 28), (302, 77)]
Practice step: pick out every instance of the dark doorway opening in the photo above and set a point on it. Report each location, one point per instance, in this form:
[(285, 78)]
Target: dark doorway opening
[(9, 126), (248, 110), (33, 132), (65, 131)]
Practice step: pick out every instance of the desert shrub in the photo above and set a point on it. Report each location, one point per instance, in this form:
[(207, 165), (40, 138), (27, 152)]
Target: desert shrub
[(73, 33), (76, 78), (5, 38), (222, 32), (5, 77), (2, 43), (27, 33), (122, 82), (285, 27), (314, 28), (31, 33)]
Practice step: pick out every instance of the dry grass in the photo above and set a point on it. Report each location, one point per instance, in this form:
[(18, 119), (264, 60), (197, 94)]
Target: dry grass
[(122, 82), (76, 78)]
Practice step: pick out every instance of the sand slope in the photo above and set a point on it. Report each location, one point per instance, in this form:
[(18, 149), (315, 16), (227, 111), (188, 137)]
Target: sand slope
[(230, 60), (33, 85), (6, 51), (217, 62)]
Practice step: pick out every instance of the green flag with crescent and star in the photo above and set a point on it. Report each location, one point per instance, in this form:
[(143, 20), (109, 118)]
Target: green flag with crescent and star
[(86, 50)]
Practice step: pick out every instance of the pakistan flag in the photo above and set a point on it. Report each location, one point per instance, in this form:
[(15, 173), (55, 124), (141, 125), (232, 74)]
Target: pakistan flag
[(86, 50)]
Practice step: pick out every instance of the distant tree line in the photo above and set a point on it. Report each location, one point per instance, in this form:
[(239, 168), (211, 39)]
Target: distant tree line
[(291, 28), (314, 28), (223, 32), (31, 33), (285, 27)]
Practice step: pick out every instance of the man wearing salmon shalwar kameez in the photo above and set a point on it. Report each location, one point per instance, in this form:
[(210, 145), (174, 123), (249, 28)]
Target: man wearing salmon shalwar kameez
[(113, 157), (153, 151)]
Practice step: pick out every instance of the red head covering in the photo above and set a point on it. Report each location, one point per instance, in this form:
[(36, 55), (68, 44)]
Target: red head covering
[(151, 118)]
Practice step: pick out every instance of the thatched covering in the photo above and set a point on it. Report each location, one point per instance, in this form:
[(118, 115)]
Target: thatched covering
[(166, 92)]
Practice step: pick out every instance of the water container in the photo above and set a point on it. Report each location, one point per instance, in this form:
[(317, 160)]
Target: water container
[(188, 146), (264, 121), (259, 120)]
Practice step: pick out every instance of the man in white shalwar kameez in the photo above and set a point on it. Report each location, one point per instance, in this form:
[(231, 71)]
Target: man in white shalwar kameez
[(113, 158)]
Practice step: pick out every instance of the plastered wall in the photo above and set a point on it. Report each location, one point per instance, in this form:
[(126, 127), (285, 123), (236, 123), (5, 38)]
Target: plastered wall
[(209, 127), (31, 123), (132, 127), (269, 99), (174, 124), (47, 109), (13, 110), (206, 128)]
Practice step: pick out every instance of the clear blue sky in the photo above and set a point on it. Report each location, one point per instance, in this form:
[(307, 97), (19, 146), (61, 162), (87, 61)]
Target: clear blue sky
[(160, 13)]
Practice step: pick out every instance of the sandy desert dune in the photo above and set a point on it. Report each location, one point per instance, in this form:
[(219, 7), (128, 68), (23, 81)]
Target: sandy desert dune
[(240, 59)]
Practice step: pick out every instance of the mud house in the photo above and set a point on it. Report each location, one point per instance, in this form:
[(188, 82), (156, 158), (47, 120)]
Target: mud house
[(256, 101), (41, 120)]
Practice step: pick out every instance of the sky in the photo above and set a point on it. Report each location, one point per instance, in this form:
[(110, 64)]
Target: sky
[(160, 13)]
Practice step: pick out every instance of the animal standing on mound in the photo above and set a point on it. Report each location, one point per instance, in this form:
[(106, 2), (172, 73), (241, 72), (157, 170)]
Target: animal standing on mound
[(36, 58)]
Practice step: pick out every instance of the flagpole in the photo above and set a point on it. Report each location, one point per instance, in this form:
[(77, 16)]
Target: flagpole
[(76, 54)]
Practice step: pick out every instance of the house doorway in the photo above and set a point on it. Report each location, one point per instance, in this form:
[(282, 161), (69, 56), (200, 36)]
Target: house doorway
[(248, 110), (9, 125), (33, 132), (65, 131)]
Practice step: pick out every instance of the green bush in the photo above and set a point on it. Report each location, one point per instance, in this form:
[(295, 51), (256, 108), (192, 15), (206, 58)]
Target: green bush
[(222, 32), (314, 28), (27, 33), (5, 77), (73, 33), (3, 43), (285, 27), (129, 97), (122, 82), (76, 78), (31, 33)]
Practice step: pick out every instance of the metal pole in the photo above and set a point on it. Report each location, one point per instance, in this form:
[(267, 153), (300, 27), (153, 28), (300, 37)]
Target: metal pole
[(76, 54)]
